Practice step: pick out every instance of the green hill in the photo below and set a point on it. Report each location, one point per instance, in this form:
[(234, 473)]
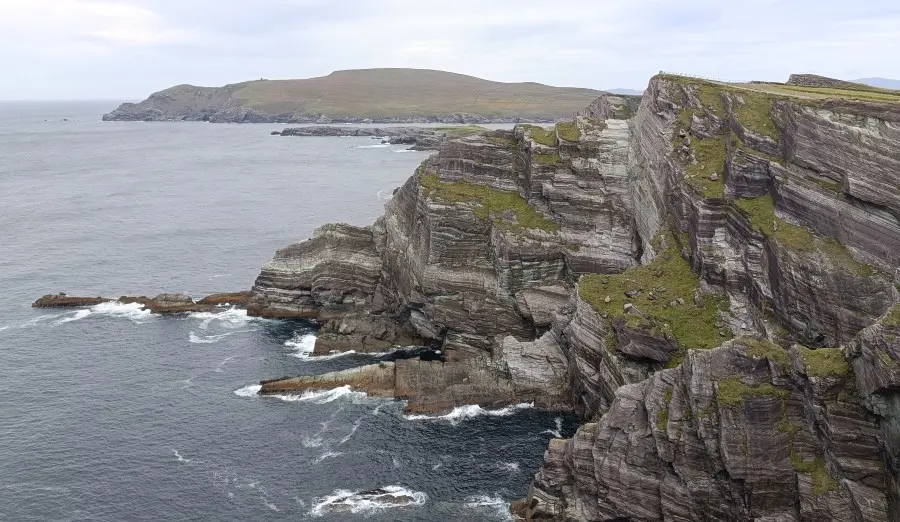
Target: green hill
[(380, 95)]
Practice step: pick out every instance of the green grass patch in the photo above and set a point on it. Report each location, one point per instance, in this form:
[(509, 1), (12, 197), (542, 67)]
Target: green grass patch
[(467, 130), (489, 203), (710, 155), (850, 94), (829, 185), (755, 113), (893, 317), (507, 143), (822, 481), (568, 131), (825, 362), (542, 135), (731, 391), (622, 112), (761, 213), (765, 349), (547, 159), (711, 98), (692, 326), (662, 419)]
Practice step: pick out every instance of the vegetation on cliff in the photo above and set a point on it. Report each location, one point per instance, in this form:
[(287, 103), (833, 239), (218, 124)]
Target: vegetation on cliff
[(489, 203), (662, 290)]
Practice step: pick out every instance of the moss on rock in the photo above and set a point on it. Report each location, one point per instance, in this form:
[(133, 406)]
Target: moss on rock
[(732, 391), (568, 130)]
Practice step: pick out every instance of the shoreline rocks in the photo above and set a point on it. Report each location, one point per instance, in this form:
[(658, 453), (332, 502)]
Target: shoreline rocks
[(161, 304)]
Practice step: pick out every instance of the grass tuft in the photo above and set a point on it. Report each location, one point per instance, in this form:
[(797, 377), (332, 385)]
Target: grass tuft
[(542, 135), (731, 391), (755, 113), (765, 349), (547, 159), (710, 155), (568, 130), (824, 362)]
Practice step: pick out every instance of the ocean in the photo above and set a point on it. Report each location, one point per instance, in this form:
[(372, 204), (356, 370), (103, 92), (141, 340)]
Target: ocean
[(109, 413)]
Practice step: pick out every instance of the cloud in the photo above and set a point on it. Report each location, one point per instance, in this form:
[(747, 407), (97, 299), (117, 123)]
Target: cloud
[(129, 48)]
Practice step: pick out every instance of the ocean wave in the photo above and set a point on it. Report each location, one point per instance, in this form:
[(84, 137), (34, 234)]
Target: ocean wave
[(77, 316), (322, 396), (328, 455), (231, 318), (367, 501), (251, 390), (335, 355), (557, 433), (3, 328), (404, 150), (512, 467), (379, 146), (384, 198), (494, 504), (211, 339), (470, 411), (132, 311), (302, 344)]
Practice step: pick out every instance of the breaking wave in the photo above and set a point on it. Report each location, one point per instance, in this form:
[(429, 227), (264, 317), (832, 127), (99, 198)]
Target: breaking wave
[(379, 146), (230, 318), (302, 344), (496, 505), (180, 458), (461, 413), (210, 339), (322, 396), (558, 431), (367, 501), (248, 391)]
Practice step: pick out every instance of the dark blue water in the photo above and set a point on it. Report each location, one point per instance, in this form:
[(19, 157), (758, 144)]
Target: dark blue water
[(112, 414)]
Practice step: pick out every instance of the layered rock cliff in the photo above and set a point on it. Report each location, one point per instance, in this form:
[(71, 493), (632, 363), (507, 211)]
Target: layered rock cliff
[(710, 278)]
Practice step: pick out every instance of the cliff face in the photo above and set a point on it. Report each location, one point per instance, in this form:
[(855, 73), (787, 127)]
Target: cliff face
[(710, 278)]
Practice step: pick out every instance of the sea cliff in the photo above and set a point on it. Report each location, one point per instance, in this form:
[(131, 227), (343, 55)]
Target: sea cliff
[(709, 278)]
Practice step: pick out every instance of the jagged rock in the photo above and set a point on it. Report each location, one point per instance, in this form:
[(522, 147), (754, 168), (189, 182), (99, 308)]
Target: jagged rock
[(161, 304), (64, 301)]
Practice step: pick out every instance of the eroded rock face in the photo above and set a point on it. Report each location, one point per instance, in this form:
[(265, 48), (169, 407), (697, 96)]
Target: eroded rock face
[(731, 434)]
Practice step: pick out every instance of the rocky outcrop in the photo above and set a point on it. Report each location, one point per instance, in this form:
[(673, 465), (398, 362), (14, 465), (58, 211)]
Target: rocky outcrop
[(427, 387), (161, 304), (418, 138)]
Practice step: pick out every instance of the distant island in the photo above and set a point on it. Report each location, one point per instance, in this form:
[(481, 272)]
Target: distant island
[(363, 96)]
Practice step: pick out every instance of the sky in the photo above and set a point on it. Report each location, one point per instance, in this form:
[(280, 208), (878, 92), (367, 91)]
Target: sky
[(127, 49)]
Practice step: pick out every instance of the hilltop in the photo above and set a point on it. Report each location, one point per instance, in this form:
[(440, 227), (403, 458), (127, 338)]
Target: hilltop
[(376, 95)]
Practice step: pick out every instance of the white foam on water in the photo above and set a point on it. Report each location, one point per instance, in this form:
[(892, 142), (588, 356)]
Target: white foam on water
[(333, 355), (40, 318), (512, 467), (231, 318), (383, 197), (211, 339), (356, 502), (302, 344), (328, 455), (379, 146), (396, 463), (352, 431), (323, 396), (270, 505), (180, 458), (312, 442), (558, 431), (251, 390), (79, 315), (4, 328), (496, 504), (404, 150), (470, 411), (132, 311), (437, 466)]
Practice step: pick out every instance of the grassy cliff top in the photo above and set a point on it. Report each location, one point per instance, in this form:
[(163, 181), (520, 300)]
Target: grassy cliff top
[(836, 89), (404, 93)]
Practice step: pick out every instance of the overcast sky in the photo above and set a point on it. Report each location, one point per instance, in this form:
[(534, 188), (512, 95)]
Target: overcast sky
[(124, 49)]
